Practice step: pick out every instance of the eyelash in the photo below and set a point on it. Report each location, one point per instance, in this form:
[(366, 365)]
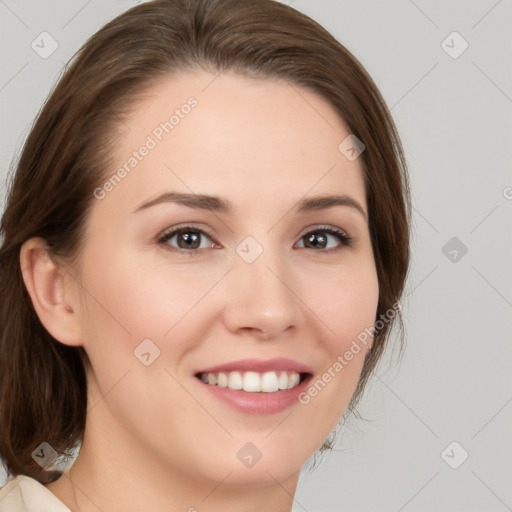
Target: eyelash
[(345, 239)]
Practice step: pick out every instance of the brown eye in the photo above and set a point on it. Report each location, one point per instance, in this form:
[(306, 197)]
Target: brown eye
[(187, 239), (322, 237)]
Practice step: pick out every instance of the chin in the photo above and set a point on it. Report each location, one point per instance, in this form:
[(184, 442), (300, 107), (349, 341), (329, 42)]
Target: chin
[(261, 463), (261, 474)]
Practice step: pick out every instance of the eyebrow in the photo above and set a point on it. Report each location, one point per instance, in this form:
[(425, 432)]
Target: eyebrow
[(217, 204)]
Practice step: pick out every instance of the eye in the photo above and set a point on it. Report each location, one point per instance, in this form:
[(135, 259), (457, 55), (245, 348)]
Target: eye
[(321, 237), (187, 239), (191, 240)]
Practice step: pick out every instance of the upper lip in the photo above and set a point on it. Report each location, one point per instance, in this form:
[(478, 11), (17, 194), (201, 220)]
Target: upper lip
[(259, 365)]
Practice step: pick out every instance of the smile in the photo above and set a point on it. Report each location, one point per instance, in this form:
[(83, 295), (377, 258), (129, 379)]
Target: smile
[(254, 382), (256, 386)]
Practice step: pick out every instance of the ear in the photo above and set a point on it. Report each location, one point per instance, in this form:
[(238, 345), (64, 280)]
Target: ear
[(51, 291)]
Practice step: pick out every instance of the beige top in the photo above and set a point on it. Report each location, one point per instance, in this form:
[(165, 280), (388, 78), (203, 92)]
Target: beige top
[(25, 494)]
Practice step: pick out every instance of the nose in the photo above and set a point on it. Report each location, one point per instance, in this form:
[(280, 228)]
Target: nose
[(262, 300)]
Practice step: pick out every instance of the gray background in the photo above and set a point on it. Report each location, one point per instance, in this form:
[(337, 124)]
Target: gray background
[(454, 117)]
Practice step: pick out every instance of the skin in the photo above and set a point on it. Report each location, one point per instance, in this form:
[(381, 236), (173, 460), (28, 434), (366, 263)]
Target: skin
[(155, 439)]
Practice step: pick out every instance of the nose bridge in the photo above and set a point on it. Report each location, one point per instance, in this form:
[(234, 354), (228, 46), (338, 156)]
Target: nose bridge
[(261, 299)]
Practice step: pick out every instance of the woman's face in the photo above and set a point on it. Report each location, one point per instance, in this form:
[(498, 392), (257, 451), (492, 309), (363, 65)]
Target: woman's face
[(257, 289)]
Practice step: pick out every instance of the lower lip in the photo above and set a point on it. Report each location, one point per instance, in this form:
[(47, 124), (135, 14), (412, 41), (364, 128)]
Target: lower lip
[(259, 402)]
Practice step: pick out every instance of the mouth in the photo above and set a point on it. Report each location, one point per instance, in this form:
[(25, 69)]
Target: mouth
[(254, 386), (254, 382)]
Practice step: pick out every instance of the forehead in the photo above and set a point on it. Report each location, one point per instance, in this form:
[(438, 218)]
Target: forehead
[(230, 135)]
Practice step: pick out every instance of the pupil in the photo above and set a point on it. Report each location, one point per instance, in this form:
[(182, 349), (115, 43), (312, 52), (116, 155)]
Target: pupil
[(316, 240)]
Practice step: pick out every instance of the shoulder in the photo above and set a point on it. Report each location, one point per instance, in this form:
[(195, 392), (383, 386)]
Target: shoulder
[(25, 494)]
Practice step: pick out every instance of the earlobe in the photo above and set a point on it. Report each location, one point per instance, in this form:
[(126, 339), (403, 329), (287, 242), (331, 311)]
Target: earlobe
[(52, 298)]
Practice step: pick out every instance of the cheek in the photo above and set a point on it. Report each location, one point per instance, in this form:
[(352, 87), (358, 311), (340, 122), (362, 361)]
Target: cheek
[(132, 299), (347, 305)]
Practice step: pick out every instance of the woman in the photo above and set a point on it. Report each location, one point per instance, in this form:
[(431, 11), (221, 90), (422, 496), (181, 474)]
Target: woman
[(205, 242)]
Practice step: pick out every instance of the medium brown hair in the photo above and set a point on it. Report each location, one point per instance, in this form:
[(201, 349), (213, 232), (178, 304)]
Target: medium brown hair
[(43, 392)]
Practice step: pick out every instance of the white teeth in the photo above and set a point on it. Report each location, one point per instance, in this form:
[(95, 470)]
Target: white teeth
[(253, 382), (282, 382), (222, 380), (269, 382), (293, 380), (235, 380)]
